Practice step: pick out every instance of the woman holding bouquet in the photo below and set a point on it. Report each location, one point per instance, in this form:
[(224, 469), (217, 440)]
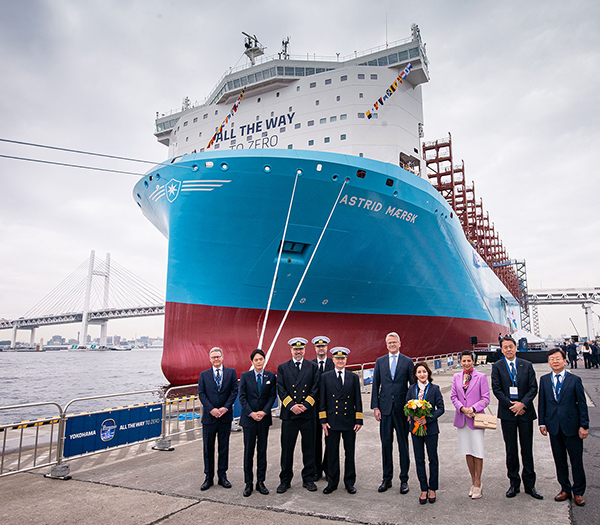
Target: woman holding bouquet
[(424, 428), (470, 395)]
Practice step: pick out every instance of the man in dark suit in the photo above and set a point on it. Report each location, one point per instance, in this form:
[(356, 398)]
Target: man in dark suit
[(324, 364), (217, 391), (391, 377), (297, 387), (515, 386), (258, 390), (340, 416), (572, 351), (563, 414)]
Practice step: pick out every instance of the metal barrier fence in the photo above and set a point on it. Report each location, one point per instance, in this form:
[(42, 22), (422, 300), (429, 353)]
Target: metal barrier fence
[(41, 443)]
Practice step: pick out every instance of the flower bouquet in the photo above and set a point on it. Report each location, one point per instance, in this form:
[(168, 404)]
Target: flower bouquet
[(418, 408)]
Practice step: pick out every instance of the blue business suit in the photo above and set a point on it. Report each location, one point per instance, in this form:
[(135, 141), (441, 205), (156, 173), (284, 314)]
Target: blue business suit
[(212, 397), (436, 400), (389, 397), (256, 433), (562, 419)]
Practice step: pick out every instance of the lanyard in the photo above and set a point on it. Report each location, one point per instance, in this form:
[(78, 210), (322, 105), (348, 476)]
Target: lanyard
[(513, 378)]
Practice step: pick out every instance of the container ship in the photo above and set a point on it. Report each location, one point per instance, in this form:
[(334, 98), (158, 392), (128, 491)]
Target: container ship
[(298, 192)]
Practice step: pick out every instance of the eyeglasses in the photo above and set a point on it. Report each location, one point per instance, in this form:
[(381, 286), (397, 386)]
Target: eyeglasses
[(393, 343), (555, 359), (216, 357)]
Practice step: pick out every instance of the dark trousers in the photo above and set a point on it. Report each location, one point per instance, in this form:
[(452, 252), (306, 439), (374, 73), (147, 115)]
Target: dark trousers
[(209, 434), (561, 445), (395, 421), (419, 444), (573, 361), (518, 432), (320, 454), (587, 359), (289, 435), (595, 361), (255, 436), (333, 457)]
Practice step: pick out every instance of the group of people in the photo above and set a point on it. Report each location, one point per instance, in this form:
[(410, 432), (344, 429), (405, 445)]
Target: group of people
[(590, 351), (320, 397)]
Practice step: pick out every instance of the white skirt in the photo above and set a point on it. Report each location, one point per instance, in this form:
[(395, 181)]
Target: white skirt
[(470, 441)]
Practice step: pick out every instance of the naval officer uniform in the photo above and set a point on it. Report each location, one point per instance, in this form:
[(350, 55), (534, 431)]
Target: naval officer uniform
[(324, 364)]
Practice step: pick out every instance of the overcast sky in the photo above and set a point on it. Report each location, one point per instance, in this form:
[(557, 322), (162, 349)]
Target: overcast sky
[(516, 83)]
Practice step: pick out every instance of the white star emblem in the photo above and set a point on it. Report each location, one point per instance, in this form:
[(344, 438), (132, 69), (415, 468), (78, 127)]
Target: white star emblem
[(172, 189)]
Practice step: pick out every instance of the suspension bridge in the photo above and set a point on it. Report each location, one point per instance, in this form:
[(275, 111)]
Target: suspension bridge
[(94, 293)]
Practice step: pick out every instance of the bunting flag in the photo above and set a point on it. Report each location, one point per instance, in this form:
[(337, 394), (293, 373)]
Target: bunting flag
[(389, 91), (229, 116)]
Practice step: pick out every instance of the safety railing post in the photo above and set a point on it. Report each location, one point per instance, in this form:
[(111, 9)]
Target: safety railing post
[(60, 470), (164, 442)]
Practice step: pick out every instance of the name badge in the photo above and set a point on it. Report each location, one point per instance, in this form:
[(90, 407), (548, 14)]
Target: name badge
[(514, 392)]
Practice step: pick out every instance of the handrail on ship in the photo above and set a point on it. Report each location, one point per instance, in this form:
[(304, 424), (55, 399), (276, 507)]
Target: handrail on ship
[(48, 446)]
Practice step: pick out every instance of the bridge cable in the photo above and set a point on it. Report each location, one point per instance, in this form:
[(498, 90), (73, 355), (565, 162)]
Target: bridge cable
[(305, 271), (287, 220)]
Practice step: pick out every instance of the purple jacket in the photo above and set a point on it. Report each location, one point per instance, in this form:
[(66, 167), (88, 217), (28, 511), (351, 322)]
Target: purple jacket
[(476, 396)]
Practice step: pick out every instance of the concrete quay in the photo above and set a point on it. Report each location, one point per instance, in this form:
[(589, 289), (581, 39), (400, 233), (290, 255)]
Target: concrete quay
[(141, 486)]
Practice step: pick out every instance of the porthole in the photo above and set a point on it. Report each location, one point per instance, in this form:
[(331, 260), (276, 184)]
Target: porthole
[(158, 176), (335, 177), (267, 169), (395, 193), (146, 183), (224, 166), (195, 167), (361, 174), (139, 196), (299, 172)]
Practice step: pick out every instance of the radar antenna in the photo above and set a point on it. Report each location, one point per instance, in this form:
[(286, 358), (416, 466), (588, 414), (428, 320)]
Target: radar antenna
[(284, 49), (253, 47)]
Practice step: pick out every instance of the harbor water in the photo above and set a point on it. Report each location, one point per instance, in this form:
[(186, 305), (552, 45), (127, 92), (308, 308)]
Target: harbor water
[(60, 376)]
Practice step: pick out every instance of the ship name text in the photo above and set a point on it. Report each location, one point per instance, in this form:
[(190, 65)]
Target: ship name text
[(376, 206)]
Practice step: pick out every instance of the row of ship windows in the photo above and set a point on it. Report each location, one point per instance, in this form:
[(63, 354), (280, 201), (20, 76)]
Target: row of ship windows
[(298, 125)]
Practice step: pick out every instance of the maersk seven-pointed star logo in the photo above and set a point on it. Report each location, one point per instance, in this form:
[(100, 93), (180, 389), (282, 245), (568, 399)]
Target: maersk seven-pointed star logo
[(172, 189)]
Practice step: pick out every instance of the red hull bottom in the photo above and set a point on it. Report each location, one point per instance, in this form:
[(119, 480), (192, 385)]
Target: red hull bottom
[(192, 330)]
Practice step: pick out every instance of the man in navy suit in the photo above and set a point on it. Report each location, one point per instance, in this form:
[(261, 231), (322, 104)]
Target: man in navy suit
[(563, 414), (297, 387), (217, 391), (391, 377), (258, 391), (572, 351), (515, 386), (324, 364)]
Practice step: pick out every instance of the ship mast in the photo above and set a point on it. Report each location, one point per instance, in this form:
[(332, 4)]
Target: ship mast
[(253, 47)]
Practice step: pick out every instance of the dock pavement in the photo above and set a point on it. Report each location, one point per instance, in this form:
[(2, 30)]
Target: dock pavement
[(142, 486)]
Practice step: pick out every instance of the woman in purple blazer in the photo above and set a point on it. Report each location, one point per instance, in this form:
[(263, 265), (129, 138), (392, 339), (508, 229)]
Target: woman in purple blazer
[(470, 394)]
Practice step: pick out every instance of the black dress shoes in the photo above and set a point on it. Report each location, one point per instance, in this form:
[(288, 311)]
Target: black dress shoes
[(318, 476), (329, 489), (404, 487), (534, 493), (282, 488), (224, 482), (247, 491), (512, 491), (260, 486), (385, 484), (207, 484), (310, 486), (351, 490)]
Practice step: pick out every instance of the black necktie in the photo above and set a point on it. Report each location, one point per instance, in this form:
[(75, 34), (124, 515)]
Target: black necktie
[(321, 366), (259, 382), (297, 363), (218, 379), (340, 377)]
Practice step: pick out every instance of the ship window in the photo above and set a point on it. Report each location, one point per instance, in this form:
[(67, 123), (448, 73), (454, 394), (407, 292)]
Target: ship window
[(258, 99), (236, 82), (382, 61), (299, 72), (208, 164), (414, 52), (258, 76), (280, 70), (265, 74), (313, 85), (200, 134), (205, 116), (185, 123), (361, 174), (337, 99), (217, 146), (320, 70), (187, 138), (361, 95), (216, 111), (272, 113), (297, 125), (323, 121), (290, 109), (319, 167), (244, 80), (229, 85), (372, 62), (233, 142), (360, 154), (361, 76), (290, 146), (374, 76), (327, 81), (311, 142), (375, 115), (146, 183), (389, 182), (332, 119), (343, 78), (249, 138), (316, 102), (344, 116), (257, 117), (403, 55), (277, 95), (201, 150), (361, 115), (343, 136), (297, 88), (195, 120), (310, 71), (311, 123), (326, 140), (289, 71), (282, 130), (393, 58), (272, 71), (250, 78), (264, 133)]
